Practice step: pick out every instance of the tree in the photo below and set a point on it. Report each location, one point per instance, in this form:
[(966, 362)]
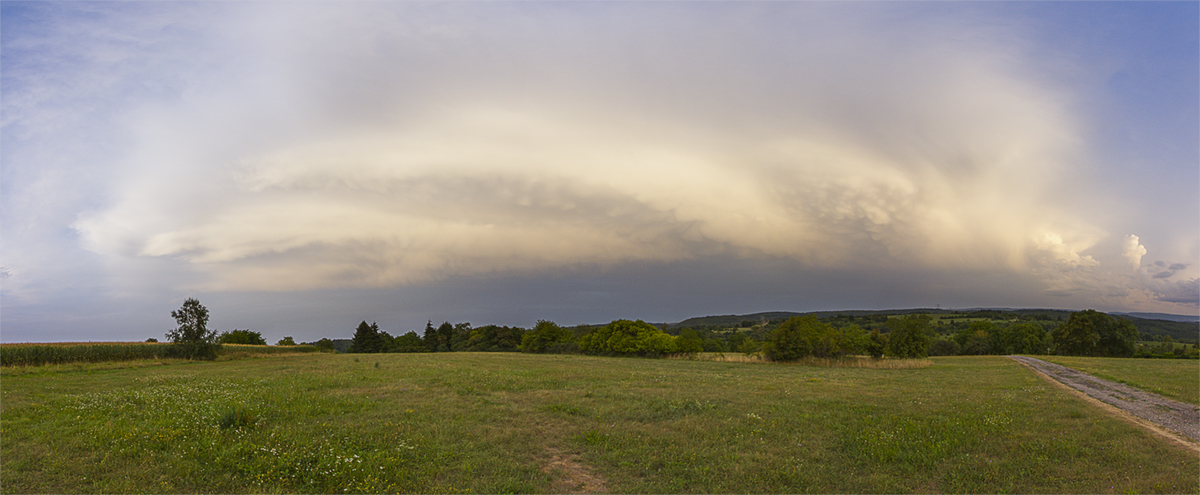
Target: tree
[(544, 334), (1024, 338), (409, 342), (690, 342), (445, 336), (624, 337), (286, 341), (461, 336), (1092, 333), (793, 339), (192, 338), (366, 339), (325, 344), (909, 336), (876, 344), (244, 337), (803, 336), (430, 338)]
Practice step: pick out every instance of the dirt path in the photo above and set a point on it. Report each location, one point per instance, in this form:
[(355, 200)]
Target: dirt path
[(1164, 415)]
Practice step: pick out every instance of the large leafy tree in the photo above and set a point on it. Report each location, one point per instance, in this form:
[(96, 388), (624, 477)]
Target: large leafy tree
[(409, 342), (803, 336), (192, 319), (793, 339), (544, 334), (192, 337), (628, 338), (909, 336), (1092, 333)]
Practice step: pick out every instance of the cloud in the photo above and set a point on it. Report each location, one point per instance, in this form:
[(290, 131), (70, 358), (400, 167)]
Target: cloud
[(362, 153), (1133, 250), (250, 147)]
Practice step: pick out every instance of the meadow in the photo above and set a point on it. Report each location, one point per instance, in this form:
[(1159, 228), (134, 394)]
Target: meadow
[(518, 423), (1177, 379)]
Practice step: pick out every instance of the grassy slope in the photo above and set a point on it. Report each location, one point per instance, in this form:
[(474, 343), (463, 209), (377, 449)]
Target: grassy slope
[(492, 422), (1178, 379)]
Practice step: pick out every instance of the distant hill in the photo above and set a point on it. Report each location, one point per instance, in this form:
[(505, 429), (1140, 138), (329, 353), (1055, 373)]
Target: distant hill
[(1162, 316), (733, 320), (1181, 328)]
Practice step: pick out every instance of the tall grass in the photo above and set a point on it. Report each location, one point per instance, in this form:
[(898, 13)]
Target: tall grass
[(846, 362), (96, 352)]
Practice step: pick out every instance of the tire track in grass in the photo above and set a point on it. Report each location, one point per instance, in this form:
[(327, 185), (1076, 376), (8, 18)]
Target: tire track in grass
[(1175, 420)]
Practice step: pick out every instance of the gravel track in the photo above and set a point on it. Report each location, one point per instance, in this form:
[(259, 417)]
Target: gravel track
[(1177, 417)]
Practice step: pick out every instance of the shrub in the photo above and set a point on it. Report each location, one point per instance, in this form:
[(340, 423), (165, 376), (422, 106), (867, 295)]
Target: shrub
[(876, 344), (245, 337), (236, 417), (624, 337), (943, 347)]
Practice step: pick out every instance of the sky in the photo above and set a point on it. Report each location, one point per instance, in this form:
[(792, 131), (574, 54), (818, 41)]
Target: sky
[(300, 167)]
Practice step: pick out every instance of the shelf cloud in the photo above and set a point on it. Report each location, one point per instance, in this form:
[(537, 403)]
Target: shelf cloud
[(252, 147)]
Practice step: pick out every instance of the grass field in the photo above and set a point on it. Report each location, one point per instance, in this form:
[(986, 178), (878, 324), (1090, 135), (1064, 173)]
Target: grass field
[(1178, 379), (503, 422)]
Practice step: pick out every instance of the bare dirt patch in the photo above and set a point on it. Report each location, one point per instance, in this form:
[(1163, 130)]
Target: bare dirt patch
[(1174, 420), (572, 476)]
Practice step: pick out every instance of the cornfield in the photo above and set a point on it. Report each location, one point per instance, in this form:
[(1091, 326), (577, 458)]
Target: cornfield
[(94, 352)]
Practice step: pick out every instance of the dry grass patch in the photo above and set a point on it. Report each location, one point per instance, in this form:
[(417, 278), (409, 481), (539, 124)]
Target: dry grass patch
[(571, 476), (846, 362)]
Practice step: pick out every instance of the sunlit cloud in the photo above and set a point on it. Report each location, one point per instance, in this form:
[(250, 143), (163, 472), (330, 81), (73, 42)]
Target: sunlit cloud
[(895, 153), (237, 146), (1133, 250)]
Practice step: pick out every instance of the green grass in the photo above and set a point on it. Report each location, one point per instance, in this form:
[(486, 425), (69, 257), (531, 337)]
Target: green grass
[(1178, 379), (494, 422)]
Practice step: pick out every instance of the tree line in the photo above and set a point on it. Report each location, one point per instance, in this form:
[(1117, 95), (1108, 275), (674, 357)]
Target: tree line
[(1085, 333)]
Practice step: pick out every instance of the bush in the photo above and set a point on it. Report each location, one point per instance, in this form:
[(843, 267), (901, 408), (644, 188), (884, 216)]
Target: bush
[(876, 344), (624, 337), (563, 348), (943, 347), (237, 417), (245, 337)]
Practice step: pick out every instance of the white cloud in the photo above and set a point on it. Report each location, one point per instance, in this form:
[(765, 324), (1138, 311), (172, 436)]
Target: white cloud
[(370, 145), (1133, 250), (901, 151)]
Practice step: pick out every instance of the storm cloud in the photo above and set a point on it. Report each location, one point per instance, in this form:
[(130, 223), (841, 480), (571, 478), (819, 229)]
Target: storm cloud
[(268, 147)]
